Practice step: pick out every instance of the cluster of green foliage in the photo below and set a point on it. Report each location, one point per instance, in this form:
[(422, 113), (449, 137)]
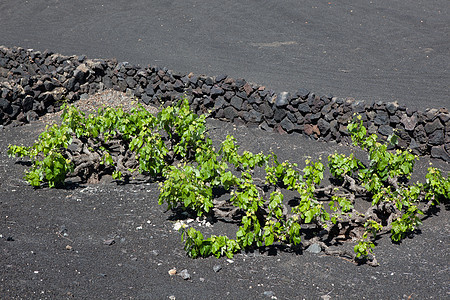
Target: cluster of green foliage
[(138, 130), (49, 164), (189, 181), (379, 178)]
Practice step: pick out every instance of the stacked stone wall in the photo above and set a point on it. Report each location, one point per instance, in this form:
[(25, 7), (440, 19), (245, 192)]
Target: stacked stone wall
[(33, 83)]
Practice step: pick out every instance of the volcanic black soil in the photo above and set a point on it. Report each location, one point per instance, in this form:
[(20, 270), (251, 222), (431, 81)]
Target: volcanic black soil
[(113, 241), (52, 241)]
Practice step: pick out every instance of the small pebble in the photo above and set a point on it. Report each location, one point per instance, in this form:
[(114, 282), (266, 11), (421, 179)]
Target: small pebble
[(269, 294), (185, 275), (314, 248), (62, 229), (217, 268), (172, 272), (109, 242)]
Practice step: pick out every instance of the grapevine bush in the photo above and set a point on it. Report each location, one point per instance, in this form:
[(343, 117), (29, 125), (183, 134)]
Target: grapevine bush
[(174, 148)]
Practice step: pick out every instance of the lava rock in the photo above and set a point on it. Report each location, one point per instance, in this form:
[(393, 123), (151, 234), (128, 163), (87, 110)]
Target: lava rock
[(282, 99), (220, 78), (435, 125), (417, 148), (32, 116), (291, 117), (394, 120), (420, 135), (178, 86), (315, 117), (149, 91), (247, 89), (219, 103), (230, 113), (358, 107), (385, 130), (146, 99), (48, 85), (439, 152), (445, 117), (5, 105), (311, 129), (14, 111), (236, 102), (266, 110), (287, 125), (323, 126), (240, 82), (437, 137), (317, 105), (130, 82), (392, 107), (216, 91), (279, 114), (304, 108), (409, 122), (302, 93), (81, 73), (254, 116), (381, 118)]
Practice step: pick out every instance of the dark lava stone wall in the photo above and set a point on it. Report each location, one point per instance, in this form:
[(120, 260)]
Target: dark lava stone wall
[(34, 83)]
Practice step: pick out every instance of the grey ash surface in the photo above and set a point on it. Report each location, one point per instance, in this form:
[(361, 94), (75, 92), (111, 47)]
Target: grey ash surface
[(370, 50), (38, 225)]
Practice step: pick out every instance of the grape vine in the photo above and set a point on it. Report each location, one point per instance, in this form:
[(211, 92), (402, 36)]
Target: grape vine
[(174, 148)]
